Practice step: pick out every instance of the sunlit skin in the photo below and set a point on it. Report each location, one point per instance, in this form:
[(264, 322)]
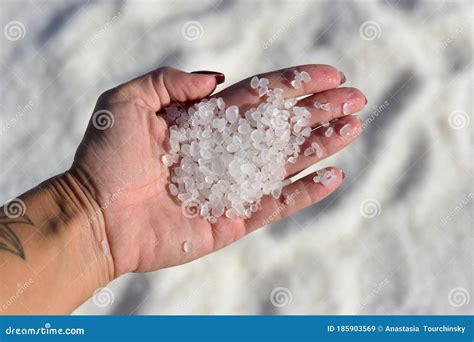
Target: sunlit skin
[(145, 225), (112, 213)]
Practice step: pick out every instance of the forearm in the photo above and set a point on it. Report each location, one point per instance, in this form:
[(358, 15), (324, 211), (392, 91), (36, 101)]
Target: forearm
[(52, 254)]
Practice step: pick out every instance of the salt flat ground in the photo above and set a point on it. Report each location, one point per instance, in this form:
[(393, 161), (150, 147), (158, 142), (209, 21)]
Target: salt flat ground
[(395, 239)]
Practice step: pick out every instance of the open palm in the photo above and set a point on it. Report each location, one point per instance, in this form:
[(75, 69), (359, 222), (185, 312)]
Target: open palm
[(119, 163)]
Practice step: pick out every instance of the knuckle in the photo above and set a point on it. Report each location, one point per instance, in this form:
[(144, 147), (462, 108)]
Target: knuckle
[(164, 69), (112, 95)]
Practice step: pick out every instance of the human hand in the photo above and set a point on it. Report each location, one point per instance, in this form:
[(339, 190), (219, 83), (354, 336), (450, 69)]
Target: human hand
[(119, 163)]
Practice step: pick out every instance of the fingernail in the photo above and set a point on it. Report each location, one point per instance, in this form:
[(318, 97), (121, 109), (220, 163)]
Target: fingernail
[(343, 174), (343, 77), (366, 101), (220, 77)]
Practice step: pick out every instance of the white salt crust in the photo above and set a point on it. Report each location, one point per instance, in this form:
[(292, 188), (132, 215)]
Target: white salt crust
[(223, 162)]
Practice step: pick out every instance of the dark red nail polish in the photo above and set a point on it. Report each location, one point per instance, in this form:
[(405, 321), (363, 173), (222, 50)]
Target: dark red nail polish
[(343, 175), (366, 101), (220, 77), (343, 77)]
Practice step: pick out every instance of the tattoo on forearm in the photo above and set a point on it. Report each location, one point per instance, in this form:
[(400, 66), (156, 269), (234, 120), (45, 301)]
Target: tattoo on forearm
[(9, 241)]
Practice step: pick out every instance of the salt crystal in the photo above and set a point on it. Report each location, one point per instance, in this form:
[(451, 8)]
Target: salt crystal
[(309, 151), (226, 162), (232, 148), (204, 210), (296, 84), (232, 114), (187, 245), (218, 210), (305, 76), (166, 159), (325, 177), (329, 178), (326, 107), (276, 192), (300, 77), (244, 128), (257, 135), (323, 106), (231, 213), (317, 149), (289, 103), (194, 149), (215, 123), (345, 130), (262, 91), (306, 132), (263, 82), (346, 110), (254, 82), (205, 153), (173, 189), (329, 132), (220, 103)]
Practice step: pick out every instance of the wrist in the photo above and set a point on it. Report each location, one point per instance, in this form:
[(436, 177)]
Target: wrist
[(82, 231), (54, 243)]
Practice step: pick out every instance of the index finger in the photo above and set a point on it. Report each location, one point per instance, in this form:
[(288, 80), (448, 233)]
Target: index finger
[(323, 77)]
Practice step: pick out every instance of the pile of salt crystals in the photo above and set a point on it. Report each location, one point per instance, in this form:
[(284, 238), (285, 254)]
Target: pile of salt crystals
[(224, 163)]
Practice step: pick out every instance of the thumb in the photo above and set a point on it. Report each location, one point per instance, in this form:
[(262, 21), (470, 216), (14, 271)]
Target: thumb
[(158, 88)]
